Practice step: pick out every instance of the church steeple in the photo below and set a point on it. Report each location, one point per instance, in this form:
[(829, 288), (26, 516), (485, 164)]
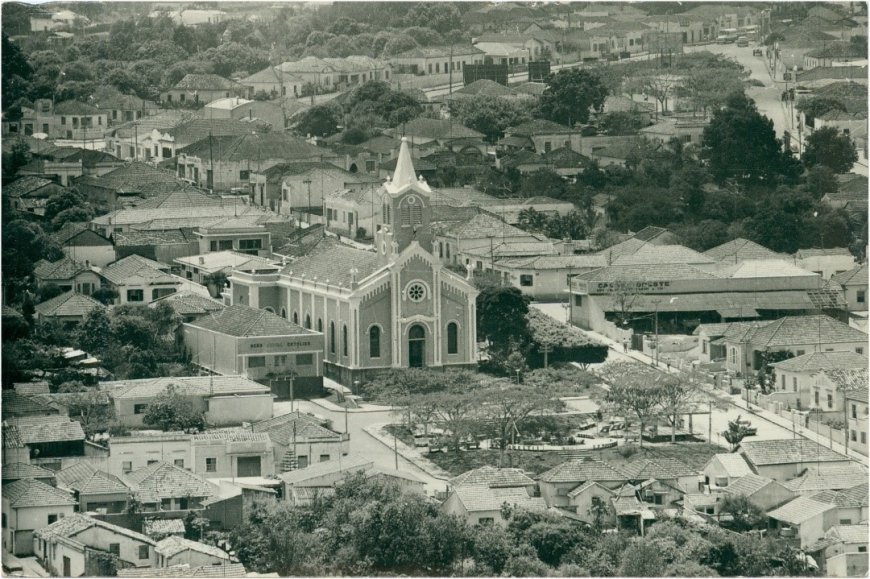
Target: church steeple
[(404, 176)]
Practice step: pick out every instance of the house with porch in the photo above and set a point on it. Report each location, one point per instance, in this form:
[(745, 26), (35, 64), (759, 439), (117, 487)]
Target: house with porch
[(68, 275), (161, 486), (94, 489), (804, 381), (556, 483), (429, 60), (139, 280)]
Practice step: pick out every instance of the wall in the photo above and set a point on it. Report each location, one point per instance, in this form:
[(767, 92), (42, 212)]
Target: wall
[(313, 450), (772, 496), (227, 452), (139, 451), (26, 520), (192, 558), (112, 502), (827, 265), (98, 255), (235, 409), (453, 506), (847, 565), (99, 538), (56, 552)]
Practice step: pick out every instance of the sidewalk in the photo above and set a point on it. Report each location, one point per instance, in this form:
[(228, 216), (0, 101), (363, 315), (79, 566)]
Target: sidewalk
[(333, 407), (735, 400), (412, 455)]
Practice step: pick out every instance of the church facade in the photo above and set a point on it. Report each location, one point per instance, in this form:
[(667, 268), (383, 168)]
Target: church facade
[(394, 306)]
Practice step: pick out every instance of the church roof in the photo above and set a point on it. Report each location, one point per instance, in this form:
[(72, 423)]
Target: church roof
[(330, 262)]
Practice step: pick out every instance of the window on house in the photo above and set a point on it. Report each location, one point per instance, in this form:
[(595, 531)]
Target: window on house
[(52, 519), (140, 408), (281, 360), (830, 401), (578, 300), (135, 295), (452, 338), (863, 438), (862, 549), (304, 359), (115, 549), (302, 461), (853, 436), (4, 526), (179, 462), (817, 397), (733, 355), (486, 520), (324, 458), (249, 244), (150, 462), (244, 175), (783, 382), (370, 166), (794, 383), (548, 146), (374, 342), (144, 552), (127, 467), (527, 280), (854, 411), (257, 362), (861, 296), (211, 465), (63, 120), (801, 352), (859, 350)]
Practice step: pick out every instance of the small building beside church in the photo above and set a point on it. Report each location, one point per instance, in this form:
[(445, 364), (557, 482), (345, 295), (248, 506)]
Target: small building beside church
[(393, 306)]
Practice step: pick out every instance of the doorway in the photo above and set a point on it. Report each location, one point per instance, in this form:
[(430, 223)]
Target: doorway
[(417, 346)]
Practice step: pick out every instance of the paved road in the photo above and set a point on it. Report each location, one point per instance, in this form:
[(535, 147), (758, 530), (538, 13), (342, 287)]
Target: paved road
[(361, 442)]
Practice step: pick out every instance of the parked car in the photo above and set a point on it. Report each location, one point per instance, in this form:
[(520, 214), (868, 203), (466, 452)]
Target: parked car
[(421, 440), (747, 425), (757, 52), (742, 41)]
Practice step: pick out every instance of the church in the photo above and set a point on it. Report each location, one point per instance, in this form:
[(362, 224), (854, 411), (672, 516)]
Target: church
[(393, 306)]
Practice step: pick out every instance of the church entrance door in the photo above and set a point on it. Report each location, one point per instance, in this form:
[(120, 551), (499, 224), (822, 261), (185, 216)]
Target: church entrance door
[(417, 346)]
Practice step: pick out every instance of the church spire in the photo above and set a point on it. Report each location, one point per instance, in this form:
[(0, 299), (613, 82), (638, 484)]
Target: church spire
[(404, 175)]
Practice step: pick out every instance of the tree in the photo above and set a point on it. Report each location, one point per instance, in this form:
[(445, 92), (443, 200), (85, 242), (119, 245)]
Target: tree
[(456, 405), (826, 146), (570, 95), (814, 107), (509, 405), (16, 72), (736, 432), (319, 121), (745, 515), (635, 390), (92, 409), (740, 143), (490, 115), (68, 199), (641, 559), (622, 123), (501, 316), (492, 547), (172, 410), (441, 17), (677, 395)]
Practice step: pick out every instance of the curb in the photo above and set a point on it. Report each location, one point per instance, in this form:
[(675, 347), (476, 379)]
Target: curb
[(412, 456), (327, 405)]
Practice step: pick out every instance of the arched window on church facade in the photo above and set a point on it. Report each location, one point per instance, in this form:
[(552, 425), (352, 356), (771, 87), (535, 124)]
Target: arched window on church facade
[(452, 338), (375, 342), (344, 347), (332, 337)]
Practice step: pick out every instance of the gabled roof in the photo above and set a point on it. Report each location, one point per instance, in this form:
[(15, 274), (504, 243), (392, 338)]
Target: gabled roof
[(481, 226), (650, 254), (69, 527), (281, 429), (29, 492), (485, 87), (78, 234), (855, 276), (175, 571), (815, 361), (850, 533), (163, 480), (172, 545), (74, 473), (492, 477), (137, 178), (658, 469), (741, 249), (832, 72), (189, 303), (481, 498), (849, 379), (26, 186), (247, 322), (734, 464), (852, 497), (190, 385), (194, 130), (799, 329), (100, 483), (153, 527), (16, 404), (426, 128), (787, 451), (63, 269), (69, 304), (41, 429), (271, 74), (748, 484), (347, 464), (438, 51), (582, 469), (121, 271), (195, 82), (255, 147), (822, 252), (800, 510), (19, 470), (330, 261)]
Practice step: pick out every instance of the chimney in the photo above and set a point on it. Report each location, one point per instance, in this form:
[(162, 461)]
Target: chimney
[(201, 260)]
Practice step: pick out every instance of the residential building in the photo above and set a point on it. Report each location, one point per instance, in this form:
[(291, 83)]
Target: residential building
[(225, 400), (68, 308), (784, 459), (462, 241), (854, 283), (537, 45), (41, 21), (164, 141), (28, 506), (822, 76), (541, 136), (827, 478), (501, 53), (68, 275), (94, 489), (52, 440), (851, 503), (247, 235), (805, 519), (556, 483), (30, 193), (482, 505), (236, 500), (843, 551), (293, 186), (545, 277), (857, 417), (670, 474), (825, 262), (190, 306), (180, 551), (686, 130), (161, 486), (226, 163), (139, 280), (392, 307), (738, 250), (301, 440), (198, 89), (130, 184), (796, 379), (329, 74), (353, 213), (194, 18), (70, 120), (136, 451), (74, 545), (122, 108), (198, 268), (260, 345), (162, 246), (232, 454), (246, 111), (274, 82), (15, 471), (423, 131), (85, 245), (763, 492), (723, 469), (429, 60)]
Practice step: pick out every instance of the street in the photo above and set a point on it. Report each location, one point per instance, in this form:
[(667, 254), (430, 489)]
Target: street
[(362, 443)]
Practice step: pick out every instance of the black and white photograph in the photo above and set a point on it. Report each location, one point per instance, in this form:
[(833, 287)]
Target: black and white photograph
[(434, 289)]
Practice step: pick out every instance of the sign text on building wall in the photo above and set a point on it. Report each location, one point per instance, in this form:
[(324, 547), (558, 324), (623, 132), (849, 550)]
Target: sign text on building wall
[(632, 286), (283, 345)]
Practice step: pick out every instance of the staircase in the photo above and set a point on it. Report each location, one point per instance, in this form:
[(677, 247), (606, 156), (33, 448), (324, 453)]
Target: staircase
[(289, 462)]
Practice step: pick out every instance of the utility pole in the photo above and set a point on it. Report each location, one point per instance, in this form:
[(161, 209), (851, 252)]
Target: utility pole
[(710, 421), (308, 210), (396, 451)]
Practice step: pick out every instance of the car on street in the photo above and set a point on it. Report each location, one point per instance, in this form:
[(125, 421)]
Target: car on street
[(757, 52), (747, 425)]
